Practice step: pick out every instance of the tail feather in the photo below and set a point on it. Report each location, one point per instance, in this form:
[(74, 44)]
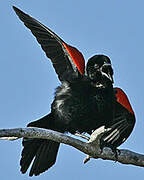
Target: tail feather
[(30, 148), (43, 152), (45, 157)]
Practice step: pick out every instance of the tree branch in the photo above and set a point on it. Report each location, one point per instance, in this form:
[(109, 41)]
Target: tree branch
[(91, 149)]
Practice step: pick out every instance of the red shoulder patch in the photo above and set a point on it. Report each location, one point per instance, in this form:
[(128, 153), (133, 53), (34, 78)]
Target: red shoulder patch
[(123, 99), (76, 56)]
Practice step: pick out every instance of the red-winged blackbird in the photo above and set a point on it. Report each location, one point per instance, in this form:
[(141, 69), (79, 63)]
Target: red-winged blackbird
[(83, 103)]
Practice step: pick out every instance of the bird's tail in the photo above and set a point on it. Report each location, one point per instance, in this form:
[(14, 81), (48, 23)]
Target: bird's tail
[(44, 152)]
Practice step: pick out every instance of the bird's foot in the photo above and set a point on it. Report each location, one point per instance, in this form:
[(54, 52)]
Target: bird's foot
[(114, 149)]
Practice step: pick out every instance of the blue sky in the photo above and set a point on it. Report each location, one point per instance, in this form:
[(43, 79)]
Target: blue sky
[(114, 28)]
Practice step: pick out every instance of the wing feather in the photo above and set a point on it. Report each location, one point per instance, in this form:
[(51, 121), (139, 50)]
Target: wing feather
[(65, 58), (123, 121)]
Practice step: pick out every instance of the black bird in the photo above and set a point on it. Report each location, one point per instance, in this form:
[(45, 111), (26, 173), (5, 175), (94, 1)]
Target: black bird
[(84, 102)]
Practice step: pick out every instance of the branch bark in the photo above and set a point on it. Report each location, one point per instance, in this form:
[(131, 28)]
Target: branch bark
[(125, 156)]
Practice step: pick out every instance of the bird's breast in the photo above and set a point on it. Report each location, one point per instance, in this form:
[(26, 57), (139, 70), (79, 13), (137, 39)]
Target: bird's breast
[(81, 106)]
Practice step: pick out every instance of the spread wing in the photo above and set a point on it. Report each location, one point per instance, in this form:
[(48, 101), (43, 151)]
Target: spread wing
[(123, 121), (65, 58)]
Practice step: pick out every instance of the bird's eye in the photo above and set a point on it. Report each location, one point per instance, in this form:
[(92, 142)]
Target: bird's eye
[(96, 66)]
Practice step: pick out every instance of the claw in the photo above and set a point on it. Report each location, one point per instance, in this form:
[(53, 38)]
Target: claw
[(86, 159), (116, 153)]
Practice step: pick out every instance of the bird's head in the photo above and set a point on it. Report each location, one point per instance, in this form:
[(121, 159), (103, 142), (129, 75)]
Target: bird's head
[(99, 70)]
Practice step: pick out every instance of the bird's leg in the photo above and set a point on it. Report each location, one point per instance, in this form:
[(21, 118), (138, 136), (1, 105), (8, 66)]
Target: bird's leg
[(87, 138)]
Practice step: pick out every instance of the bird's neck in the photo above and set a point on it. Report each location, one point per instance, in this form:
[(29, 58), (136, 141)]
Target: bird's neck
[(102, 84)]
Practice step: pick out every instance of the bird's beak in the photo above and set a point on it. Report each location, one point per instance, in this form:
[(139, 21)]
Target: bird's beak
[(107, 74)]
